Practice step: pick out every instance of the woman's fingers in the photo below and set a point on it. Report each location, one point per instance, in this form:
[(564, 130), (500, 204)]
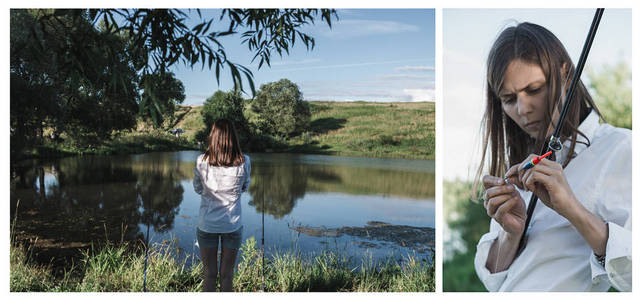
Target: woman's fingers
[(499, 190), (505, 207), (536, 177), (521, 173), (496, 191), (506, 216), (494, 203), (546, 173), (512, 176), (512, 171), (491, 181)]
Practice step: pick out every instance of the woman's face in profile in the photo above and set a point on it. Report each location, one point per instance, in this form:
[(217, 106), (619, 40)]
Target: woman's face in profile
[(524, 96)]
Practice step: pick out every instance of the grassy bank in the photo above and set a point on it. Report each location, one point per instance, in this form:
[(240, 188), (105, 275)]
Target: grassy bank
[(391, 130), (118, 269), (123, 143), (366, 129), (387, 130)]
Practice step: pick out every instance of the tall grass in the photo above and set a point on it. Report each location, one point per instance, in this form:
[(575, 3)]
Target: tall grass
[(118, 268)]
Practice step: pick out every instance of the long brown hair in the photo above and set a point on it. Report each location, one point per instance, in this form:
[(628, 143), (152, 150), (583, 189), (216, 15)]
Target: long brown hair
[(508, 143), (223, 148)]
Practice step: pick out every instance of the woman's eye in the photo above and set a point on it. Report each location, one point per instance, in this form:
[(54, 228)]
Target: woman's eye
[(534, 91), (508, 100)]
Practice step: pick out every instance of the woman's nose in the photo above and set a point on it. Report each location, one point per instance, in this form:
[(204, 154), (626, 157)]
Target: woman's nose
[(524, 104)]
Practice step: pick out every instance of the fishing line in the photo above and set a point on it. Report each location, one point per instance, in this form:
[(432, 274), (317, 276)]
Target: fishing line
[(263, 245), (499, 250), (146, 256)]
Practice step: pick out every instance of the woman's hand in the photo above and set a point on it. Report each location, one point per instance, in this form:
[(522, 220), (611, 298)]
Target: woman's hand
[(547, 181), (504, 204)]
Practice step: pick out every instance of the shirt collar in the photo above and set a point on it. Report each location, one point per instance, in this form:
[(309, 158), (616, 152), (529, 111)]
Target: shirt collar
[(588, 127)]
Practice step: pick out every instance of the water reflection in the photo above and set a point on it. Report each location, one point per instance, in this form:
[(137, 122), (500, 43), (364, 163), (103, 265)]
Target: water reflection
[(280, 180), (278, 187), (72, 202), (160, 197)]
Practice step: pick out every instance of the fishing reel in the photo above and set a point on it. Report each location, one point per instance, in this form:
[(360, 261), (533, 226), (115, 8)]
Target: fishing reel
[(555, 144)]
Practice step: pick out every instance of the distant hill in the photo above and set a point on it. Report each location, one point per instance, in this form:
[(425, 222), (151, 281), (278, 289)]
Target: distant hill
[(373, 129), (188, 118)]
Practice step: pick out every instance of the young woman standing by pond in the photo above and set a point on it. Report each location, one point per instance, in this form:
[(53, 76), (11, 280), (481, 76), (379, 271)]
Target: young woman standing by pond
[(221, 175), (580, 240)]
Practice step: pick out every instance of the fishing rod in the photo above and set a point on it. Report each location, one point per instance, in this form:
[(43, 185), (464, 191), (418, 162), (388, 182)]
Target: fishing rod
[(146, 257), (263, 245), (554, 143)]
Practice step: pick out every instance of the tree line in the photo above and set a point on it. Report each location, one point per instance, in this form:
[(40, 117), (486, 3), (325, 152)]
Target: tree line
[(87, 73)]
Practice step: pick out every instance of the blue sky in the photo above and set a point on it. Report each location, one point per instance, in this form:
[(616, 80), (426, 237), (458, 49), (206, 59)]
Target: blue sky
[(467, 37), (368, 55)]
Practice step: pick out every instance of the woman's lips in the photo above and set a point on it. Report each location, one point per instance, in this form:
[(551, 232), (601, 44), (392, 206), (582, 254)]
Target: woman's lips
[(532, 125)]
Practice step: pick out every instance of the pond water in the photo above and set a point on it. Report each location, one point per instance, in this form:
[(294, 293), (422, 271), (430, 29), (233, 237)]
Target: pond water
[(362, 207)]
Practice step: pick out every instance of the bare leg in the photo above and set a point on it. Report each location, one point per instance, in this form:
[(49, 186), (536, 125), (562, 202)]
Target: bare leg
[(210, 268), (228, 259)]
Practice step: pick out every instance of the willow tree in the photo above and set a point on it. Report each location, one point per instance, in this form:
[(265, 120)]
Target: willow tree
[(55, 52)]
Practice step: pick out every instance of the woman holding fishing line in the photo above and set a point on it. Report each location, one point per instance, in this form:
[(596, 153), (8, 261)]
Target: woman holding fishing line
[(579, 237), (221, 174)]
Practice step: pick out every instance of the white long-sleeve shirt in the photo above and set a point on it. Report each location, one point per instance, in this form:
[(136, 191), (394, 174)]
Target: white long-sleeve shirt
[(220, 189), (556, 257)]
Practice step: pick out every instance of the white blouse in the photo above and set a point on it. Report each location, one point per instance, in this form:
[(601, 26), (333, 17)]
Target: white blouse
[(220, 189), (556, 257)]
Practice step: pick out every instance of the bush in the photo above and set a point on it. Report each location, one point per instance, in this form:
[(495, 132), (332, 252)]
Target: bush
[(611, 89), (227, 105), (280, 109)]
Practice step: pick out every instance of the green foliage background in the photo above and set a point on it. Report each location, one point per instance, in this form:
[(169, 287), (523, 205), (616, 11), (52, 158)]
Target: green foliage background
[(611, 89)]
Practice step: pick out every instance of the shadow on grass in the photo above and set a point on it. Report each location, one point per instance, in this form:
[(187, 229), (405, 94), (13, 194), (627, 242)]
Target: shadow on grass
[(324, 125), (311, 148)]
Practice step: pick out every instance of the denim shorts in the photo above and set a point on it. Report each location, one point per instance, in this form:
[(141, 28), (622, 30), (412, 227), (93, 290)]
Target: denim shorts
[(230, 240)]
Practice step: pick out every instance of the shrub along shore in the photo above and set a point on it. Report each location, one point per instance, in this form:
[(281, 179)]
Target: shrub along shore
[(363, 129), (118, 268)]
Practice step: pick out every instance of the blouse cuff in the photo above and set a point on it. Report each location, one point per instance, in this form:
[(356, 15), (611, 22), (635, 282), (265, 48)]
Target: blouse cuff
[(598, 272), (492, 281), (618, 262)]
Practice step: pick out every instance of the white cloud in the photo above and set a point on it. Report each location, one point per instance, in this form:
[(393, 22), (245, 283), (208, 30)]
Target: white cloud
[(404, 77), (415, 69), (345, 29), (360, 64), (420, 94), (295, 62), (359, 91), (195, 99)]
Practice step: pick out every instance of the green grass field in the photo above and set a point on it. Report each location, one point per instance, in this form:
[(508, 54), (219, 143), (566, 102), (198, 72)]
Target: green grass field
[(390, 130), (394, 130)]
